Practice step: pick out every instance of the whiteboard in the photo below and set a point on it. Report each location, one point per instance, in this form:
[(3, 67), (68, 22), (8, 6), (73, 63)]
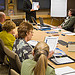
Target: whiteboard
[(58, 8)]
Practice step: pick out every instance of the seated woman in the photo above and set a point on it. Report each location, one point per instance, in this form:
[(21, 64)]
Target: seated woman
[(2, 19), (69, 22), (38, 66), (21, 47), (7, 34)]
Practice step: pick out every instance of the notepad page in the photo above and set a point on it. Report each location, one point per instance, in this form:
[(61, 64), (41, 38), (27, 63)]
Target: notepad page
[(34, 5), (63, 60), (64, 71), (52, 42)]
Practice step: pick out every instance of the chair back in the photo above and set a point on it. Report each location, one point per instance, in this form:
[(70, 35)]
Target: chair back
[(14, 61), (13, 72), (2, 53)]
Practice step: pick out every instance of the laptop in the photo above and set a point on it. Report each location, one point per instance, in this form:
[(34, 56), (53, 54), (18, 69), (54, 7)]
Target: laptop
[(41, 22), (34, 20)]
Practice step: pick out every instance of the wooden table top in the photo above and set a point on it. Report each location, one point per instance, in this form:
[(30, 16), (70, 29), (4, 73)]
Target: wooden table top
[(40, 36)]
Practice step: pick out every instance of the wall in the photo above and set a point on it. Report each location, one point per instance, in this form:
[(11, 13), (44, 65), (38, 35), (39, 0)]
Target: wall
[(41, 13)]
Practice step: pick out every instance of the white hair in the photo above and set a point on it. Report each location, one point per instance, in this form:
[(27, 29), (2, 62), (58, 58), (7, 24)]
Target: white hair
[(1, 14)]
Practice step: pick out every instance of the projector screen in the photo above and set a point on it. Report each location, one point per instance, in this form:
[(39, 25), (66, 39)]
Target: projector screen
[(58, 8)]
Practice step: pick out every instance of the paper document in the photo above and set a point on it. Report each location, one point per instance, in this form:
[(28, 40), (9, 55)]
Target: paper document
[(71, 34), (34, 5), (67, 32), (52, 42), (32, 42), (63, 60), (59, 52), (58, 29), (65, 71)]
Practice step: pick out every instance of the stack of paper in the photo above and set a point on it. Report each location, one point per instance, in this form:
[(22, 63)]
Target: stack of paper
[(68, 33), (65, 71)]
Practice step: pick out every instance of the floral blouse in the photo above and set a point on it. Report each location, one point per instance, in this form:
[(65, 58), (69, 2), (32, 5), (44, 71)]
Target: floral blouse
[(23, 49)]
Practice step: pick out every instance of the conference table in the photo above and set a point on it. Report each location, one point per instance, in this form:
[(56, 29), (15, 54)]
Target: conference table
[(39, 35)]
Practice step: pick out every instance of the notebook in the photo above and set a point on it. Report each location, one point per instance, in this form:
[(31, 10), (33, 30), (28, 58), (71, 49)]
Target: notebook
[(42, 23), (52, 42)]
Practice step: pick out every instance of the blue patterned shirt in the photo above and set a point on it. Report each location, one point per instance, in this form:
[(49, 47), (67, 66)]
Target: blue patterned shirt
[(23, 49)]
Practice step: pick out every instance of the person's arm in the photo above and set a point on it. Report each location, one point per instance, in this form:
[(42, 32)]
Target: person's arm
[(50, 54), (69, 23)]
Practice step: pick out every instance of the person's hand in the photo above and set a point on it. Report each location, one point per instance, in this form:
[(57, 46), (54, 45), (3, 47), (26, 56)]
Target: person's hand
[(59, 26), (50, 54), (32, 10), (38, 6), (54, 27)]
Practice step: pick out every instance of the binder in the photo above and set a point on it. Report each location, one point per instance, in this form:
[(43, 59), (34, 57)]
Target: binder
[(65, 59)]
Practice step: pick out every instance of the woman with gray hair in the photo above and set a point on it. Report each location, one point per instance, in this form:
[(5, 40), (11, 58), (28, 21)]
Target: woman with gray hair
[(2, 19)]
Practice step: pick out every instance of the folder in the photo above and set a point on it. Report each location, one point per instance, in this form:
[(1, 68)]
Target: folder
[(59, 60)]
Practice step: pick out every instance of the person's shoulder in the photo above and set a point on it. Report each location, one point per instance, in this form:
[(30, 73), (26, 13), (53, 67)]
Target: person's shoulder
[(73, 17), (28, 61), (50, 70)]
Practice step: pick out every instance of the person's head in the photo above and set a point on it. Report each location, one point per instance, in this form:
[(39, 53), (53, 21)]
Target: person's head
[(8, 26), (71, 12), (41, 52), (2, 17), (25, 30)]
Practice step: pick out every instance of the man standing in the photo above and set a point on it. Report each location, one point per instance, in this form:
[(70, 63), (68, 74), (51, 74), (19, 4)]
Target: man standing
[(2, 19), (27, 7)]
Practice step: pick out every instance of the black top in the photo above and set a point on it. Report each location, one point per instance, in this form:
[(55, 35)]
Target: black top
[(27, 6), (0, 27)]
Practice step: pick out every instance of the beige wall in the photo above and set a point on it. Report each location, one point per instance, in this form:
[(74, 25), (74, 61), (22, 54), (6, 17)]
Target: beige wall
[(41, 13)]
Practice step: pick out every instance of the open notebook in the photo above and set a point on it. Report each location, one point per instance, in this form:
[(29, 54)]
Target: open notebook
[(52, 42)]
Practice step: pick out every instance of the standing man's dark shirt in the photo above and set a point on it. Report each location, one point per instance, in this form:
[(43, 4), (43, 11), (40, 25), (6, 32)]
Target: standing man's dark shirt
[(0, 27), (27, 6)]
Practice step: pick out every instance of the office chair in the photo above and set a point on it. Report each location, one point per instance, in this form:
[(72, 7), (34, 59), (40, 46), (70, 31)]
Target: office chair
[(17, 19), (74, 27), (3, 57), (14, 61)]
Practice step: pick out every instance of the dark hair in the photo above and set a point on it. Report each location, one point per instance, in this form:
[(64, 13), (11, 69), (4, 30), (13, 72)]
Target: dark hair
[(23, 29), (72, 11)]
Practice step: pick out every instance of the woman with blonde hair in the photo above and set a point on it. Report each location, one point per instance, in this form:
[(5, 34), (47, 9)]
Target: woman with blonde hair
[(38, 66), (7, 34)]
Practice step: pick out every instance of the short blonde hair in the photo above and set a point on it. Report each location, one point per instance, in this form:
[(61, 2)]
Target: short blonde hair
[(8, 25)]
